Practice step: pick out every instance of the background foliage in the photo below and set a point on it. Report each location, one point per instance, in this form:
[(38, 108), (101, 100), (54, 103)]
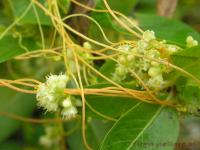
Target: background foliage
[(139, 126)]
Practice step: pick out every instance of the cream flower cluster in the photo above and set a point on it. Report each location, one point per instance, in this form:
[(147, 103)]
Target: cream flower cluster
[(69, 110), (151, 72), (51, 96), (190, 42), (81, 53), (51, 137)]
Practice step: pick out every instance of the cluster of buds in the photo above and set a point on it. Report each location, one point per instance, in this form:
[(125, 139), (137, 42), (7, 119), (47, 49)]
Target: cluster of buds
[(51, 137), (51, 96), (190, 42), (150, 71), (84, 54)]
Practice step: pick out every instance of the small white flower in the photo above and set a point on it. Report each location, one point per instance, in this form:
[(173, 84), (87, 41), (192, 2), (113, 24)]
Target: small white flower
[(121, 70), (154, 71), (116, 78), (153, 53), (57, 81), (87, 45), (122, 60), (154, 63), (67, 102), (134, 50), (45, 141), (142, 46), (143, 65), (51, 137), (130, 58), (50, 93), (73, 67), (156, 82), (190, 42), (124, 47), (70, 54), (149, 35), (172, 49), (69, 112)]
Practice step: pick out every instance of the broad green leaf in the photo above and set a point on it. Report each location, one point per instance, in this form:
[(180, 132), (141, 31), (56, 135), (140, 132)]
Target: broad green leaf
[(95, 131), (193, 52), (188, 94), (161, 25), (19, 8), (32, 133), (125, 6), (8, 50), (146, 6), (108, 69), (64, 5), (16, 103), (187, 88), (188, 59), (74, 141), (168, 29), (11, 145), (143, 127), (112, 106), (10, 47), (107, 22), (100, 128)]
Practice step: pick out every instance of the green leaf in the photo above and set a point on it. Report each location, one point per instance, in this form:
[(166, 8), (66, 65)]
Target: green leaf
[(188, 89), (147, 6), (193, 52), (8, 50), (143, 127), (107, 22), (16, 103), (11, 145), (125, 6), (188, 59), (30, 18), (171, 30), (64, 5), (96, 130), (188, 94), (168, 29), (108, 105), (107, 69)]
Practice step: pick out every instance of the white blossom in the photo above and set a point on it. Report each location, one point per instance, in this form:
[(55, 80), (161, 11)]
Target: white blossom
[(51, 137), (87, 45), (124, 47), (154, 71), (156, 82), (50, 93), (45, 141), (149, 35), (147, 68), (69, 112), (190, 42), (67, 102)]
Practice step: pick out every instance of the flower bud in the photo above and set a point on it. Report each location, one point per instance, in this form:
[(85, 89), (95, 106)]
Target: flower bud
[(69, 112), (154, 71), (87, 45), (149, 35), (190, 42), (122, 60), (67, 102)]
